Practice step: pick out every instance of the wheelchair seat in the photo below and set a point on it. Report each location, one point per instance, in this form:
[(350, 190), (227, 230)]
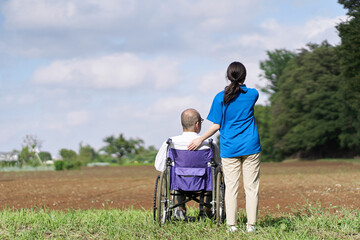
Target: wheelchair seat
[(191, 170)]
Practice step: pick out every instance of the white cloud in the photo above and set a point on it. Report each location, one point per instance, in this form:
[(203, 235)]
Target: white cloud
[(112, 71), (212, 82), (318, 26), (170, 106), (153, 123), (77, 118), (22, 100), (271, 25), (276, 35), (93, 14), (8, 132), (40, 14), (57, 127), (67, 28)]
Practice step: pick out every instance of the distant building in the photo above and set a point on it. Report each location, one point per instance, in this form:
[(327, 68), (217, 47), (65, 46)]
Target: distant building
[(9, 157)]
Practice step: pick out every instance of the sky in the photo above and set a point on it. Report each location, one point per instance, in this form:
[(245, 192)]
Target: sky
[(76, 71)]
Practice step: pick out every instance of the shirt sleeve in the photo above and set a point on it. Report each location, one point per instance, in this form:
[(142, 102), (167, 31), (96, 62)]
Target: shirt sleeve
[(215, 114), (160, 159), (257, 95)]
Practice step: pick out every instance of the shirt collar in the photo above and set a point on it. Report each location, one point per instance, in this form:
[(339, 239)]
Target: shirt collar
[(243, 87), (189, 134)]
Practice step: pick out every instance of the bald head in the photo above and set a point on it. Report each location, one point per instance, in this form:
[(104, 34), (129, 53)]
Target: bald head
[(189, 118)]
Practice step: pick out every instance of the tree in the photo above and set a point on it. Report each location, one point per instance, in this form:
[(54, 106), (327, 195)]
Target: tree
[(273, 68), (32, 142), (306, 109), (315, 101), (352, 5), (263, 122), (26, 156), (144, 155), (28, 153), (70, 160), (45, 156), (349, 32), (121, 147), (86, 154), (68, 154)]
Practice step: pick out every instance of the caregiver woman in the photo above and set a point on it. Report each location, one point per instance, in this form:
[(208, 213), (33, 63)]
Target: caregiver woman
[(232, 112)]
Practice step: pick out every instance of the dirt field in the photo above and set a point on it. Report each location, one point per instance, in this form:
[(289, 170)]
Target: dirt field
[(283, 184)]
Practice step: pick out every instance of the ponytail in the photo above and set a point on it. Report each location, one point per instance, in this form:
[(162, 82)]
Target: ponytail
[(236, 73)]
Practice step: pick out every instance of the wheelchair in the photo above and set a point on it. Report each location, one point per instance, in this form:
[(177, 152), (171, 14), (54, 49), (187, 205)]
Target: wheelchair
[(195, 175)]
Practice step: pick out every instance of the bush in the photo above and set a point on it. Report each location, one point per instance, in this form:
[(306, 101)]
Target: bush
[(59, 165), (105, 158), (34, 162), (44, 156), (66, 165)]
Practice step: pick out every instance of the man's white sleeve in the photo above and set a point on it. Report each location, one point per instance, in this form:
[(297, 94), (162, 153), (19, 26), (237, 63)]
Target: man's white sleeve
[(160, 160)]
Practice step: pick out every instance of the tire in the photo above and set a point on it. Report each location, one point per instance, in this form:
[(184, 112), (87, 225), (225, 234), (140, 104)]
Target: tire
[(155, 196), (220, 198), (162, 199)]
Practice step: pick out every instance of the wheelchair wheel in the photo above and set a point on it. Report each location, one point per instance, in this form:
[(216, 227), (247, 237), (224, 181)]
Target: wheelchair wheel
[(155, 196), (220, 198), (162, 199)]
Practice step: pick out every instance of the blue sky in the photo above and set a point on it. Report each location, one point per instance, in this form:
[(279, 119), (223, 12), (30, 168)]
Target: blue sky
[(75, 72)]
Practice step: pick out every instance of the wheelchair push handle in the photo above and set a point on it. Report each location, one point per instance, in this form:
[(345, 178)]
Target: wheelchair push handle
[(168, 159), (212, 161)]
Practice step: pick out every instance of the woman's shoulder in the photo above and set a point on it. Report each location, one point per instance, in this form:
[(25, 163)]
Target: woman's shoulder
[(220, 94), (253, 91)]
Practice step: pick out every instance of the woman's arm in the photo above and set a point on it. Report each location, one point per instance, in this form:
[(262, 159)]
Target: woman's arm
[(197, 141)]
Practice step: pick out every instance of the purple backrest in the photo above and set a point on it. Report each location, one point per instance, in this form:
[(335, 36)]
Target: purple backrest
[(191, 171)]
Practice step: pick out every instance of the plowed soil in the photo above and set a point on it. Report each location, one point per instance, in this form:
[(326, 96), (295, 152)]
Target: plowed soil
[(283, 185)]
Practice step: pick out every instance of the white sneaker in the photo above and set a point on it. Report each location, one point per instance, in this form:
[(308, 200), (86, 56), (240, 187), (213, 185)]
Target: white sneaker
[(231, 228), (250, 228)]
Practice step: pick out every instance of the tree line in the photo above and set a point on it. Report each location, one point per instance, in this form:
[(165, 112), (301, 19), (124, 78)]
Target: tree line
[(116, 150), (314, 109)]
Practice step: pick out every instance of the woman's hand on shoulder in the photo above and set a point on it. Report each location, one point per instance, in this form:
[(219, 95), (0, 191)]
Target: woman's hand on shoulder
[(195, 144)]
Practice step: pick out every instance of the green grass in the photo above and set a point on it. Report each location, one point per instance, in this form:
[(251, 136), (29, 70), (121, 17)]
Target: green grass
[(350, 160), (306, 223)]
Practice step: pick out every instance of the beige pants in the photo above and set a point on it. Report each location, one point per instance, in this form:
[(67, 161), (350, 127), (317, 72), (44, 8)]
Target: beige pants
[(249, 166)]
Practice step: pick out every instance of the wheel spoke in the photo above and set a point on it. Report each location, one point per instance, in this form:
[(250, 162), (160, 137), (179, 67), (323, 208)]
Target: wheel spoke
[(162, 199), (220, 196)]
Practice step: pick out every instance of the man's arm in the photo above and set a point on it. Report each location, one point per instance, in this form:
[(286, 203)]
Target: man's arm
[(160, 159)]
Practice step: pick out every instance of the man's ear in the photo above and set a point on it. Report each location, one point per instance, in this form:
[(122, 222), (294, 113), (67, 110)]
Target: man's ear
[(197, 127)]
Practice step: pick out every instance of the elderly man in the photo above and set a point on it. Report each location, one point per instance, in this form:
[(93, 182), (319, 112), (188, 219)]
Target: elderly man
[(191, 122)]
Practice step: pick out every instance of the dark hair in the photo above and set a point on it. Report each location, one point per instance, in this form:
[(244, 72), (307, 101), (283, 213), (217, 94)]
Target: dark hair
[(236, 73)]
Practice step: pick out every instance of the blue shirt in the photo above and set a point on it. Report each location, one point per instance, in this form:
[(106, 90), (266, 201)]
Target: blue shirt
[(238, 131)]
